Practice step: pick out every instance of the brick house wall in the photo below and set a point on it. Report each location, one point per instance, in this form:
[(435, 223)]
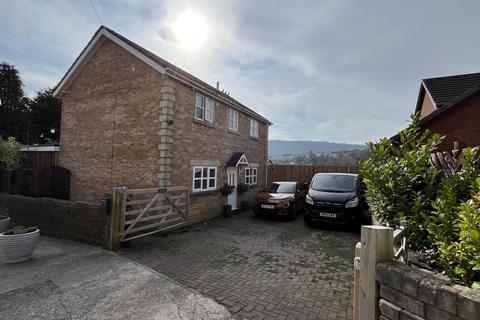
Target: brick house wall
[(427, 106), (460, 123), (200, 143), (110, 121), (126, 124)]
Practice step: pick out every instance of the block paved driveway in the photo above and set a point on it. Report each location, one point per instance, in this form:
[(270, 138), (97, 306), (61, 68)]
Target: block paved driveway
[(268, 268)]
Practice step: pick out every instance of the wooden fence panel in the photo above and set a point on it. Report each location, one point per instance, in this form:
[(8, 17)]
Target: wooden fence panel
[(4, 181), (303, 173), (51, 182), (41, 159), (16, 181), (60, 185), (27, 183)]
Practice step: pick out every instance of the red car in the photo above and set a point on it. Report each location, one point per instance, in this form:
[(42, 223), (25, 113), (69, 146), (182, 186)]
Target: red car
[(282, 198)]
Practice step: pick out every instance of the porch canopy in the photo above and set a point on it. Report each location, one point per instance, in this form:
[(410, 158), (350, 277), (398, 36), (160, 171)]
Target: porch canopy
[(238, 159)]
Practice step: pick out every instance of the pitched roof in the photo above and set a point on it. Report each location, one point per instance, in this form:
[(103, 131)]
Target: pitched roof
[(445, 90), (457, 88), (154, 61), (470, 92)]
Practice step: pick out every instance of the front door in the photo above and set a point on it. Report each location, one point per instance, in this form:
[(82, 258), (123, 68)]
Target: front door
[(232, 174)]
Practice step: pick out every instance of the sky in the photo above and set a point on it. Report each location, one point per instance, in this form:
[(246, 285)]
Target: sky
[(338, 70)]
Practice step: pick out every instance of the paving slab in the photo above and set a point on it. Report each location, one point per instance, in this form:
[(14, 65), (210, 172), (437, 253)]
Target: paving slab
[(259, 267), (69, 280)]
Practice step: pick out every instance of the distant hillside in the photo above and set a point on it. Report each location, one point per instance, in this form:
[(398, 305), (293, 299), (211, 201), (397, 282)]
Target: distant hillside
[(278, 147), (337, 158)]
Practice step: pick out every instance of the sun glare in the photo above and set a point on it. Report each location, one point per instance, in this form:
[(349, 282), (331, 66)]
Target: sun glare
[(191, 30)]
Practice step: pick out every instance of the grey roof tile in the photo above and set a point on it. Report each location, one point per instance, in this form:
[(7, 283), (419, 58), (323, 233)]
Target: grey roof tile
[(445, 90)]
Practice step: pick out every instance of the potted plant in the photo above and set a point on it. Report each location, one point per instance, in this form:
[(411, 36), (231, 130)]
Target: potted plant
[(225, 191), (4, 222), (242, 188), (17, 244)]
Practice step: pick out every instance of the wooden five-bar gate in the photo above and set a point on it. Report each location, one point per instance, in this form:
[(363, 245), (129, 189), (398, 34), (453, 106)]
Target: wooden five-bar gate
[(140, 212)]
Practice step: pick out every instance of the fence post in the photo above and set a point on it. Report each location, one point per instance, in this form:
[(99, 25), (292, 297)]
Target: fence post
[(377, 246), (113, 242)]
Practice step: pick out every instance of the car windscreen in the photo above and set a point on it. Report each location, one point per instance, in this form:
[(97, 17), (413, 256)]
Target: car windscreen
[(281, 188), (333, 183)]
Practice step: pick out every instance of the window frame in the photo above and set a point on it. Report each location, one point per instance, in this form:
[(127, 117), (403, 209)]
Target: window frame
[(206, 178), (203, 107), (232, 116), (254, 128), (251, 176)]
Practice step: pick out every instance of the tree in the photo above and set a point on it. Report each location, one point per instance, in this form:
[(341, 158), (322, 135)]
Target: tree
[(13, 111), (44, 118)]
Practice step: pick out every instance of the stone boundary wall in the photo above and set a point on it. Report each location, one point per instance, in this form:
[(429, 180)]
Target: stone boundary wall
[(59, 218), (412, 293)]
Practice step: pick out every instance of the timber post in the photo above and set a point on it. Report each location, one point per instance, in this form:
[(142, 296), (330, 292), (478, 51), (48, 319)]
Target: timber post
[(115, 217), (377, 244)]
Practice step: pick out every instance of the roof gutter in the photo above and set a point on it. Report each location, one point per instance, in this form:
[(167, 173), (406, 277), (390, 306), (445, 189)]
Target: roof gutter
[(178, 76)]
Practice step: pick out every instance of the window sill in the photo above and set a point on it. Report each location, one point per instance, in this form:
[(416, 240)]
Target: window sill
[(233, 132), (255, 138), (205, 123), (197, 194)]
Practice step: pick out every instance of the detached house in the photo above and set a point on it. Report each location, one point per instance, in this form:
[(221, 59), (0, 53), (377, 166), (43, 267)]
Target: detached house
[(130, 118), (451, 106)]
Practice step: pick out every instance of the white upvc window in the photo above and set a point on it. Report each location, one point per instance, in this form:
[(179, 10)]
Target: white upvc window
[(203, 108), (251, 176), (253, 128), (204, 179), (232, 119)]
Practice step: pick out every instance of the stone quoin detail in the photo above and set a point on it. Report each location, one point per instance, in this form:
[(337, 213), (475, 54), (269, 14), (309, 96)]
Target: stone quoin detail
[(167, 105)]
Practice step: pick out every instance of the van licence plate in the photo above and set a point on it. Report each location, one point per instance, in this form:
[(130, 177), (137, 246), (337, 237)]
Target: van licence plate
[(267, 206), (327, 214)]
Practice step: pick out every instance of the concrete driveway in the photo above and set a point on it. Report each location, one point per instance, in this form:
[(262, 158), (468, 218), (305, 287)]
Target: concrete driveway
[(68, 280), (269, 268)]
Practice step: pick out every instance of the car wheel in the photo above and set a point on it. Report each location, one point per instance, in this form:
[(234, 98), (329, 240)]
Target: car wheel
[(257, 213), (308, 221)]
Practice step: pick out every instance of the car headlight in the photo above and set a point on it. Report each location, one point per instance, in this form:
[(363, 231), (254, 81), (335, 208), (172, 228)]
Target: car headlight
[(309, 199), (352, 203)]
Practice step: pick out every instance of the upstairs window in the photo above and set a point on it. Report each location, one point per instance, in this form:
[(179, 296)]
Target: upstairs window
[(203, 108), (232, 119), (251, 176), (253, 128), (204, 179)]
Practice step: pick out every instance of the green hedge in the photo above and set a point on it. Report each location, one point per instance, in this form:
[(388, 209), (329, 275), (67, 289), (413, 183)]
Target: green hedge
[(443, 213)]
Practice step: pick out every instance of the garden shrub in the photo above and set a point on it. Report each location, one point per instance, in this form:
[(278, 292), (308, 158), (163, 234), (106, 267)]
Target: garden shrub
[(401, 184), (466, 252), (443, 212), (454, 222), (10, 156)]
